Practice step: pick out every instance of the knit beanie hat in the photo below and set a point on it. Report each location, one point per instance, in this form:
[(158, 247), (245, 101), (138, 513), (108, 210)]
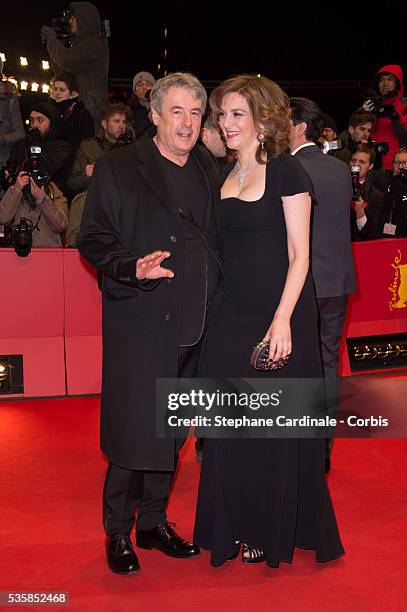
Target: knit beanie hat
[(143, 76)]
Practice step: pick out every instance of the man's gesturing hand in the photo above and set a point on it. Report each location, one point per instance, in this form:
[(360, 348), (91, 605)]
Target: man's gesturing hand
[(149, 266)]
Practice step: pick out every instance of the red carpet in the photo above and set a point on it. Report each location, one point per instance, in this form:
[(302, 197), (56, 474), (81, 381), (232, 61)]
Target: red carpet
[(52, 539)]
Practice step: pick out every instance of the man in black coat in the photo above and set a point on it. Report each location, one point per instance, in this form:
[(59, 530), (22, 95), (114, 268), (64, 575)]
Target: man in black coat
[(150, 203), (331, 251)]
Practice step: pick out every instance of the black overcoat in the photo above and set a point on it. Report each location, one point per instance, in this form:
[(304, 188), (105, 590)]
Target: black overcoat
[(128, 214)]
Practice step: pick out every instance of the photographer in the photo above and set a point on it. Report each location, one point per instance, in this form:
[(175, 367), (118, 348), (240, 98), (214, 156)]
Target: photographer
[(113, 134), (367, 200), (87, 58), (56, 154), (31, 194), (360, 127), (11, 124), (393, 223), (45, 206), (386, 102)]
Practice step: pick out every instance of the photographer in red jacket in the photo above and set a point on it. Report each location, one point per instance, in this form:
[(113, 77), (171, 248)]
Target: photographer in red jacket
[(386, 101)]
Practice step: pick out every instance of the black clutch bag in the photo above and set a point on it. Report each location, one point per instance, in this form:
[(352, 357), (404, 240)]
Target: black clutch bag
[(260, 358)]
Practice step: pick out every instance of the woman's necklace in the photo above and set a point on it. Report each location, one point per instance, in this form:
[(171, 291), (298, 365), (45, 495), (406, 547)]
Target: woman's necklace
[(243, 173)]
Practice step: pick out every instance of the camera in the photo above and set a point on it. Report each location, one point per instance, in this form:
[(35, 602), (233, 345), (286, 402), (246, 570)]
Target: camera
[(19, 236), (63, 31), (62, 28), (399, 181), (397, 188), (380, 108), (32, 165), (124, 139), (381, 148), (333, 145), (355, 173)]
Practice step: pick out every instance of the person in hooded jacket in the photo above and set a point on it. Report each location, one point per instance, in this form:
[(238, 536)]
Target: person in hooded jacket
[(390, 107), (11, 123), (76, 120), (88, 58)]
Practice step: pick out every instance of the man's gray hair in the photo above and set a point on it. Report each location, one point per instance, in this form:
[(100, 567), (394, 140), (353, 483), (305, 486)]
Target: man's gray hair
[(177, 79)]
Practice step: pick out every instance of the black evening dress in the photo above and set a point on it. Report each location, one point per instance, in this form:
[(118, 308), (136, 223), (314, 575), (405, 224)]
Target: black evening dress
[(268, 493)]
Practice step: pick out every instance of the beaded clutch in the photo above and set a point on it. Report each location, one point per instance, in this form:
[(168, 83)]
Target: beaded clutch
[(260, 358)]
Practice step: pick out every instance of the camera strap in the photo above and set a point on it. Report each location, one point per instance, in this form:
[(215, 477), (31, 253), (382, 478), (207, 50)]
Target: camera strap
[(35, 227)]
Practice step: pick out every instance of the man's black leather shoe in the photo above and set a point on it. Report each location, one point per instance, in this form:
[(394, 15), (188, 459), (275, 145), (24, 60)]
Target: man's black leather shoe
[(121, 557), (164, 538)]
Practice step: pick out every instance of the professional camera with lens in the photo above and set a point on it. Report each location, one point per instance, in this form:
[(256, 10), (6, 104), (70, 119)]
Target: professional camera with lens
[(32, 165), (19, 236), (62, 28), (63, 31), (398, 183), (380, 108), (355, 173), (125, 139), (381, 148), (397, 189)]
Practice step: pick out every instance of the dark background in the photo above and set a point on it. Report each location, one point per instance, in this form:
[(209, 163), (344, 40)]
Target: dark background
[(312, 41)]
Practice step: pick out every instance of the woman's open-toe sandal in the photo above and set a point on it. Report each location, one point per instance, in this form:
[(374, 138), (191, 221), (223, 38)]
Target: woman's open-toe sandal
[(252, 555)]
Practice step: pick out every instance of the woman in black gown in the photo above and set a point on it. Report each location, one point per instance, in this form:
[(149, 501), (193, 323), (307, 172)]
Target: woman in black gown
[(265, 495)]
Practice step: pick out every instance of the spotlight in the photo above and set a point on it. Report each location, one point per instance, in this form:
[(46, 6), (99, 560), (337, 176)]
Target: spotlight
[(45, 88), (23, 61), (2, 57), (11, 375), (45, 64), (4, 371), (23, 85), (34, 86)]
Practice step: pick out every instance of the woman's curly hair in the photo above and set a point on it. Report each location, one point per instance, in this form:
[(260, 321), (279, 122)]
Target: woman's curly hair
[(269, 106)]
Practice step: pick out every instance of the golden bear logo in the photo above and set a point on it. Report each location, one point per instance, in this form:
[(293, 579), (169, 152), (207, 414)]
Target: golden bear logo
[(398, 288)]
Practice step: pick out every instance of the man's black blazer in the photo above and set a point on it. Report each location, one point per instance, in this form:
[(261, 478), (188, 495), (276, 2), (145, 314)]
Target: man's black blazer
[(331, 251)]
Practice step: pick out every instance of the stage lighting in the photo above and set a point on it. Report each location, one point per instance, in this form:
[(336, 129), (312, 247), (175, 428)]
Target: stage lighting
[(23, 85), (45, 64), (2, 57), (4, 371), (11, 375), (23, 62), (34, 86)]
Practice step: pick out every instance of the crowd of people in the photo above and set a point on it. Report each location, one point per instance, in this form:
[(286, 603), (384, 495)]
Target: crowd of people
[(228, 223), (374, 146)]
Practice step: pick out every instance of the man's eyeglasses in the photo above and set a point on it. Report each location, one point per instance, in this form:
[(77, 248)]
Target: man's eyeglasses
[(397, 164)]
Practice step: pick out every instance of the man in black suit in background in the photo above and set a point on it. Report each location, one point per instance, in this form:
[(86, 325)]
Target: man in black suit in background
[(331, 251)]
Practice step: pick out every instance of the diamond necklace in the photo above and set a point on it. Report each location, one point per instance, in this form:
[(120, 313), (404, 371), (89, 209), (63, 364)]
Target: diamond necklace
[(243, 173)]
